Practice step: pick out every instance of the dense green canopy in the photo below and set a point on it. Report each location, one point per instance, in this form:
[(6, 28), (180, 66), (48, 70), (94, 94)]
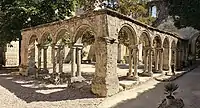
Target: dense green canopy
[(185, 13), (18, 14)]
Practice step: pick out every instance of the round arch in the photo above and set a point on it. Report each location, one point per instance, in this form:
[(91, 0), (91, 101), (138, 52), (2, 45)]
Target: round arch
[(81, 31), (45, 38), (62, 34), (130, 31), (157, 42), (145, 39)]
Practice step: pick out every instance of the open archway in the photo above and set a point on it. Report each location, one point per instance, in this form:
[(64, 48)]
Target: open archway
[(166, 54), (144, 46), (157, 43), (83, 51), (127, 44), (32, 54), (45, 52)]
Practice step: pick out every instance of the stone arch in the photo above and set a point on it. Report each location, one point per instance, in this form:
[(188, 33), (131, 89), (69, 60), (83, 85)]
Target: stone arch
[(126, 37), (85, 35), (145, 37), (62, 33), (157, 41), (32, 55), (166, 47), (45, 38), (81, 30), (131, 31), (157, 44)]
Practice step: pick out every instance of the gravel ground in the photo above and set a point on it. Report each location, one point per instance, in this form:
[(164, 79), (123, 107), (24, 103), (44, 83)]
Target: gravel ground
[(20, 92)]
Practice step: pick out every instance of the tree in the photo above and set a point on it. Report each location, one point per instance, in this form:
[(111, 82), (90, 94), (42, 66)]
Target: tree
[(186, 13), (18, 14), (136, 9)]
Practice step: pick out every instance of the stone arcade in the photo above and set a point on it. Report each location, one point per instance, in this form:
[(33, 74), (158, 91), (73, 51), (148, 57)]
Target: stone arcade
[(107, 31)]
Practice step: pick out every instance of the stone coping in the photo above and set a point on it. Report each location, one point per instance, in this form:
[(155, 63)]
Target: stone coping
[(107, 12)]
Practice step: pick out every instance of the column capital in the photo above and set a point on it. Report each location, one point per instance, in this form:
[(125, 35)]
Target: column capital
[(78, 45), (53, 44), (45, 47), (39, 45)]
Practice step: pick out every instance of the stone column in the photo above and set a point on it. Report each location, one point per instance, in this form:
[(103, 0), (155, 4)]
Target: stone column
[(156, 59), (150, 62), (54, 57), (175, 59), (79, 50), (170, 60), (130, 62), (73, 61), (39, 59), (145, 60), (60, 57), (136, 51), (161, 60), (45, 57)]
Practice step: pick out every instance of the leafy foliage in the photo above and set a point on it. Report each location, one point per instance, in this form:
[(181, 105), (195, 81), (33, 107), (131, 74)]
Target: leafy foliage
[(18, 14), (136, 9), (170, 88), (186, 13)]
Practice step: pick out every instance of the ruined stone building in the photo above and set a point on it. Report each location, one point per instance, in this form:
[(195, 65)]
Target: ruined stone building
[(105, 39)]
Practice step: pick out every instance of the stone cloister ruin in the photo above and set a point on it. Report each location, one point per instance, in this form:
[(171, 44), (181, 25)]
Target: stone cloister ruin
[(111, 38)]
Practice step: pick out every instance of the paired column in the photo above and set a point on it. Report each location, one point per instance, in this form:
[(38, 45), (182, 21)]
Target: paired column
[(136, 51), (150, 51), (156, 54), (39, 59), (130, 62), (45, 57), (54, 60), (79, 50), (76, 48), (170, 59), (145, 60), (161, 60), (60, 56), (73, 61)]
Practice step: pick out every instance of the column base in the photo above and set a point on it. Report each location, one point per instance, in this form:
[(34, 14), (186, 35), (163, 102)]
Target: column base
[(134, 78), (77, 79), (23, 71), (148, 74)]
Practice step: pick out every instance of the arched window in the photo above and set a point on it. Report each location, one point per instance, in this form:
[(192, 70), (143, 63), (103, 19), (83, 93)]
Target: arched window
[(154, 11)]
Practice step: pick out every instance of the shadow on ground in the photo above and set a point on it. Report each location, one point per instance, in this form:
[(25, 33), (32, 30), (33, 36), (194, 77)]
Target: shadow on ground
[(147, 98), (29, 94)]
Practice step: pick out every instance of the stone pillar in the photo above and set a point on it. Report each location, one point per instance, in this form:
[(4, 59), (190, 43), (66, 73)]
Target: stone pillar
[(130, 62), (79, 50), (45, 57), (145, 60), (60, 57), (170, 60), (161, 60), (39, 59), (175, 59), (156, 59), (136, 51), (150, 62), (105, 81), (73, 61), (54, 57)]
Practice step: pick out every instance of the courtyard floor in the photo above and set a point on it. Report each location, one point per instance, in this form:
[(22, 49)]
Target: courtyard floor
[(25, 92)]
